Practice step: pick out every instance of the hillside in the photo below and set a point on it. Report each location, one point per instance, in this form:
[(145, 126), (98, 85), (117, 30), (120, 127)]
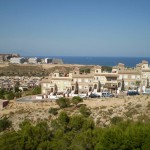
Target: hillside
[(36, 70), (104, 111)]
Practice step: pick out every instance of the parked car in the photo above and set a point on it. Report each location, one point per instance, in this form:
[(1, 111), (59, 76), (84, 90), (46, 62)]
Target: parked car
[(93, 95), (83, 95), (146, 91), (107, 94), (133, 93)]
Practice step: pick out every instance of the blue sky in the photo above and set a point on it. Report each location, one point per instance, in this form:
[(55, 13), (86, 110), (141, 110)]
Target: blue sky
[(75, 27)]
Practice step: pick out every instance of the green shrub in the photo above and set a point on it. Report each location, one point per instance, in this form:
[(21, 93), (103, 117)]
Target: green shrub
[(76, 100), (53, 111), (63, 102), (85, 111), (4, 124), (116, 120)]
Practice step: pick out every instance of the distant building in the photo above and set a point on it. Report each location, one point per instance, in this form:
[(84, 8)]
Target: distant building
[(48, 60), (7, 57), (33, 60), (1, 58), (57, 61), (17, 60)]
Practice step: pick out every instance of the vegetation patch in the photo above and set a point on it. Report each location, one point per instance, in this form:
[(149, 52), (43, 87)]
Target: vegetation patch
[(4, 124), (53, 111)]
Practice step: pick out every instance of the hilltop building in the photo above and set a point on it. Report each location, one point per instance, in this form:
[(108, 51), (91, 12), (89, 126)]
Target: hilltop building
[(7, 57), (48, 60), (33, 60), (17, 60)]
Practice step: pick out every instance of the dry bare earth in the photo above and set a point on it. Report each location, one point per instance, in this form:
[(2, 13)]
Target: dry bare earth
[(136, 108)]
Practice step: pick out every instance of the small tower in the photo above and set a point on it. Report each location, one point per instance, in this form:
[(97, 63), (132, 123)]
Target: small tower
[(97, 69), (56, 74), (76, 71)]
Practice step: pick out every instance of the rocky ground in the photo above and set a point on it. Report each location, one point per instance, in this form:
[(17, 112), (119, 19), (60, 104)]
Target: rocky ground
[(104, 111)]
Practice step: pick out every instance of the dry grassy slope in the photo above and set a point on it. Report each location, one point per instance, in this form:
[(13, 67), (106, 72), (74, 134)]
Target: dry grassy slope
[(135, 108), (20, 70), (36, 70)]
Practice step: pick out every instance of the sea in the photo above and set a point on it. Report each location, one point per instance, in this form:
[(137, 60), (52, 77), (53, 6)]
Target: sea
[(103, 61)]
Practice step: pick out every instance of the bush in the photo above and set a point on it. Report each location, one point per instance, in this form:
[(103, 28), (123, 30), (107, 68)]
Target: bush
[(63, 102), (76, 100), (116, 120), (53, 111), (36, 90), (85, 111), (4, 124)]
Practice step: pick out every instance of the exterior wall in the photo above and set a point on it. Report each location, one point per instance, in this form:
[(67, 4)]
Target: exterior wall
[(130, 80)]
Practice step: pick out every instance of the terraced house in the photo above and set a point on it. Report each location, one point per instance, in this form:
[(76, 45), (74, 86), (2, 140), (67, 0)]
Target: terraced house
[(133, 78), (86, 81)]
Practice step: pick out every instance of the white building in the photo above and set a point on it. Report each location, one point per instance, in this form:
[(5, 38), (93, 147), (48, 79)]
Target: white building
[(17, 60), (33, 60), (47, 60)]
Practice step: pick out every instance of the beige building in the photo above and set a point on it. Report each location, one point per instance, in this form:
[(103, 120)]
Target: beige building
[(133, 78), (87, 82)]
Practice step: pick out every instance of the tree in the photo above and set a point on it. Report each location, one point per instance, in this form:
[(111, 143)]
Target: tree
[(63, 102), (76, 100), (76, 122), (122, 86), (61, 123), (76, 88), (99, 87), (147, 83)]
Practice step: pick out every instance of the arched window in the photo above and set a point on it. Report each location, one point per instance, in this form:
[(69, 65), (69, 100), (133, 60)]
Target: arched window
[(95, 86), (90, 88), (72, 87), (119, 84), (51, 89)]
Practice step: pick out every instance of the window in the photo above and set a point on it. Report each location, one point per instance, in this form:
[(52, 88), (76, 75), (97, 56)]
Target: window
[(86, 80), (72, 87), (125, 76), (132, 83), (133, 77), (137, 77), (79, 80), (120, 76)]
